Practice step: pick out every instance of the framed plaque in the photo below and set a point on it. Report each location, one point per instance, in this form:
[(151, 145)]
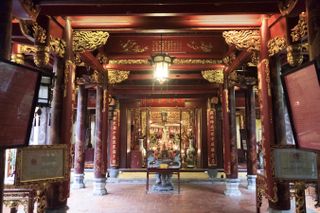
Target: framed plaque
[(41, 163), (19, 87), (302, 91), (294, 164)]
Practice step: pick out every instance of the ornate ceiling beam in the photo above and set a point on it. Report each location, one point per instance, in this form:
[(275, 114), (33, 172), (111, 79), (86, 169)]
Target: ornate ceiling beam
[(243, 39), (178, 67), (92, 61), (171, 76), (89, 40), (241, 59)]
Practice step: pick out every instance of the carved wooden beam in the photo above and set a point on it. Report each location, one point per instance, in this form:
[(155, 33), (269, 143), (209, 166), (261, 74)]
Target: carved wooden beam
[(91, 61), (242, 58)]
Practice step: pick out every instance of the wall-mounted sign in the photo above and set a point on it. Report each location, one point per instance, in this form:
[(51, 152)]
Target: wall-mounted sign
[(294, 164), (19, 87), (41, 163), (302, 89)]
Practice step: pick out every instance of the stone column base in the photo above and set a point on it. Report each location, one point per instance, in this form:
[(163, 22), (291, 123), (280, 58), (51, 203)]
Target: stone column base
[(113, 172), (78, 182), (251, 182), (232, 187), (99, 186)]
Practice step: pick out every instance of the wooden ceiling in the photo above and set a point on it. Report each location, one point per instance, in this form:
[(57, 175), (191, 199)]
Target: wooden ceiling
[(190, 31)]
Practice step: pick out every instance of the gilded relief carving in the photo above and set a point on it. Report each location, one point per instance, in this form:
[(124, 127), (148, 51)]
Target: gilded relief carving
[(294, 55), (276, 45), (17, 58), (243, 39), (39, 34), (301, 29), (213, 76), (89, 40), (41, 57), (132, 46), (200, 46), (57, 46), (175, 61), (129, 61), (117, 76), (196, 61)]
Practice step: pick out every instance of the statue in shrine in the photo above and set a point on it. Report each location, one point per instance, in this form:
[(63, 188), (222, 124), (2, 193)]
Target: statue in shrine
[(191, 155)]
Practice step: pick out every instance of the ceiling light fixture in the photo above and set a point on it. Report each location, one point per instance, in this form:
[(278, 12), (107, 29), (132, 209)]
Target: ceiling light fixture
[(161, 62)]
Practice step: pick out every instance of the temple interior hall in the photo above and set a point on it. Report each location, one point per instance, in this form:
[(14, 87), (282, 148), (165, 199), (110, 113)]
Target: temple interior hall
[(159, 106)]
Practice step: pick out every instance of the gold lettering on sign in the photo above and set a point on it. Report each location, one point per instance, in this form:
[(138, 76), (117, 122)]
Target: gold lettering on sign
[(200, 46), (132, 46), (167, 46)]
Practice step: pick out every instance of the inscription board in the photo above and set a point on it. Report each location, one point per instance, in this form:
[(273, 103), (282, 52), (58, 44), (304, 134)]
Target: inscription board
[(41, 163), (294, 164)]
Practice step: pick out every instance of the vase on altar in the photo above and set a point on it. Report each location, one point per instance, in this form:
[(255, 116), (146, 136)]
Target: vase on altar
[(190, 159)]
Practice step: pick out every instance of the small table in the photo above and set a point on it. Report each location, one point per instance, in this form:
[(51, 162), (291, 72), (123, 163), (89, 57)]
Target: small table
[(163, 171)]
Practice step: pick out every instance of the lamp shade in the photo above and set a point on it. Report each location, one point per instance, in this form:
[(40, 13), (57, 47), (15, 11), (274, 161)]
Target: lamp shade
[(161, 63)]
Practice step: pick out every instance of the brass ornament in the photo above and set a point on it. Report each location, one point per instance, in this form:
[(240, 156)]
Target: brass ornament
[(89, 40), (286, 6), (213, 76), (243, 39), (41, 57), (117, 76), (57, 46), (131, 46), (301, 29), (276, 45), (200, 46), (39, 34), (294, 55)]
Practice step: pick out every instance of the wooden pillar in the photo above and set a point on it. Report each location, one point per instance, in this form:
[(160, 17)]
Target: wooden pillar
[(265, 101), (226, 127), (56, 104), (5, 52), (105, 128), (233, 135), (99, 164), (251, 131), (79, 148), (58, 193), (281, 129), (251, 137)]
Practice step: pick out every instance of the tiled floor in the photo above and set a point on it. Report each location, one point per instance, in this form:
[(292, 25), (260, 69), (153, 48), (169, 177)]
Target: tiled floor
[(194, 198), (123, 198)]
